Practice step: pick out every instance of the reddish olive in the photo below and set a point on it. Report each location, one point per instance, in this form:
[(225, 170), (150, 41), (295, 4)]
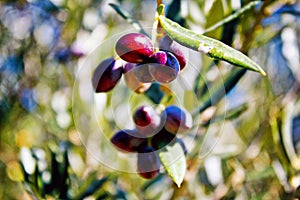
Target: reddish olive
[(159, 57), (134, 47), (166, 43), (167, 72)]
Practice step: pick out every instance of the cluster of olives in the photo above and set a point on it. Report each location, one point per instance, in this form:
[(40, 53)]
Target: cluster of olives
[(153, 131), (141, 65)]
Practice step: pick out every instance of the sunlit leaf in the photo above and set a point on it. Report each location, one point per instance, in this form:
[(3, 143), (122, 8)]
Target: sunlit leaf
[(173, 160), (215, 14), (233, 16), (207, 45), (14, 171)]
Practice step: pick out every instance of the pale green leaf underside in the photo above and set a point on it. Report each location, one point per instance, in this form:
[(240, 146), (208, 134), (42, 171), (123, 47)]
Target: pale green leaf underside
[(173, 160)]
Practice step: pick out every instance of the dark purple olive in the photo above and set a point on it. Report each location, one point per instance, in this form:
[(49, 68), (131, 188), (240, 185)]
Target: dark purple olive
[(170, 45), (162, 138), (134, 47), (165, 73), (148, 163), (147, 120), (177, 119), (132, 82), (142, 74), (107, 74), (128, 141)]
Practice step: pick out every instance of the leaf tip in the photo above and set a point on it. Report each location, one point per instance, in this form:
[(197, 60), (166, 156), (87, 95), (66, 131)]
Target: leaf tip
[(161, 9), (262, 72), (178, 184)]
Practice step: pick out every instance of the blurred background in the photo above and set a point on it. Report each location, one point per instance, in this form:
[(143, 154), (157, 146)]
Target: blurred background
[(54, 130)]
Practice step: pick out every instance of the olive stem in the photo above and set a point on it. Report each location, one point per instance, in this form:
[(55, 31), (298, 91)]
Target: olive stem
[(156, 27)]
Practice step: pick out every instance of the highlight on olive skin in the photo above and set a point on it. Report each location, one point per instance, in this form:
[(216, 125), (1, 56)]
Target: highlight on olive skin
[(134, 47)]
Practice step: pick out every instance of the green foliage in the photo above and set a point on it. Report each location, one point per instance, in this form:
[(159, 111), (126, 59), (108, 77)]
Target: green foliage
[(209, 46), (173, 159), (244, 143)]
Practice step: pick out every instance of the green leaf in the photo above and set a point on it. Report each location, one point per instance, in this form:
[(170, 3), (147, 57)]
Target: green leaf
[(154, 93), (93, 187), (215, 14), (173, 159), (125, 15), (233, 16), (152, 182), (209, 46)]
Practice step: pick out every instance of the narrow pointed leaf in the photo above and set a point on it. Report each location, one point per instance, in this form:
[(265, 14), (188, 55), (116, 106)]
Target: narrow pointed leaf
[(173, 160), (207, 45)]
